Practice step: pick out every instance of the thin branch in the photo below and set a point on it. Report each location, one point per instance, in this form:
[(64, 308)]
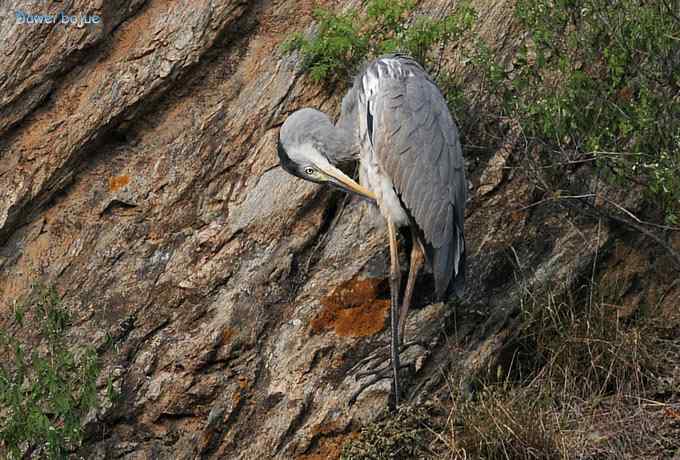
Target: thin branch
[(636, 219), (597, 196), (636, 223), (549, 199), (640, 228)]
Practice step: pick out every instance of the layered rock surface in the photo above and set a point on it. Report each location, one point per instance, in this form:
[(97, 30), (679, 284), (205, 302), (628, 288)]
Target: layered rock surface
[(230, 302)]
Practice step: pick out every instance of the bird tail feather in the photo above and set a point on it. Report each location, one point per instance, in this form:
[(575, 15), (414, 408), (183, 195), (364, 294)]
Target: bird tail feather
[(449, 267)]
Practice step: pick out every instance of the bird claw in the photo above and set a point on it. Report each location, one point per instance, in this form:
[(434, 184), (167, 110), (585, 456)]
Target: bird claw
[(382, 372), (381, 355), (377, 374)]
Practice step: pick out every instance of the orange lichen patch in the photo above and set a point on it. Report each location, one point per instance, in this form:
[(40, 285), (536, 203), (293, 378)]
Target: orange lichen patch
[(353, 309), (118, 182)]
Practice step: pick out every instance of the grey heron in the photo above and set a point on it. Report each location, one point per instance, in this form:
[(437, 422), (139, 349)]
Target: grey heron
[(395, 120)]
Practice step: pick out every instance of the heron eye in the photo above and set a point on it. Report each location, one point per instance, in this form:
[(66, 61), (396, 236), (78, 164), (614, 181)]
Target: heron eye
[(309, 171)]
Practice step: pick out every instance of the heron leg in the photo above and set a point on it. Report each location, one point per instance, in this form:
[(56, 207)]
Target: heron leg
[(416, 263), (395, 285)]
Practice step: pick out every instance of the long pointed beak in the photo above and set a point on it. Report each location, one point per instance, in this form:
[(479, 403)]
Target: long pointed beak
[(347, 183)]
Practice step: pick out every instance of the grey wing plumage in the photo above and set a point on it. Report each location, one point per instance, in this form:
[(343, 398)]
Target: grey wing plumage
[(416, 142)]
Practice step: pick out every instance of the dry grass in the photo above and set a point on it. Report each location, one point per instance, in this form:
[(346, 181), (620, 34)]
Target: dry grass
[(586, 382), (501, 423), (581, 345)]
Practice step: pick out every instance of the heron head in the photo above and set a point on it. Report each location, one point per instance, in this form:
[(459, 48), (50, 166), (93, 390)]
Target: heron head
[(306, 148)]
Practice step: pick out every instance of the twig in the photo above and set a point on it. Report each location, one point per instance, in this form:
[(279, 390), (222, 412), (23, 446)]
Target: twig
[(638, 220), (620, 154), (636, 226), (650, 402), (596, 196), (552, 198), (637, 223)]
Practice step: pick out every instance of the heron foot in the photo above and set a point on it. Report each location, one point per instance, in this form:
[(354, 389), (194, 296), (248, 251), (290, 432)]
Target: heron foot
[(383, 373), (379, 367), (381, 355)]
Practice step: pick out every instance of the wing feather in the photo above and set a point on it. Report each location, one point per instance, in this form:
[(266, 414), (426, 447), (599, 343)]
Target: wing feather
[(417, 145)]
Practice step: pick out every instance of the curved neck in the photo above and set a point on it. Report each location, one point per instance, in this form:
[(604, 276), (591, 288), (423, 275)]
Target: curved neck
[(340, 142), (345, 135)]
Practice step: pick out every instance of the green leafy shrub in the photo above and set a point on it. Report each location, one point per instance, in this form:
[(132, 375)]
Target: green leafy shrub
[(600, 79), (344, 40), (44, 393), (337, 48)]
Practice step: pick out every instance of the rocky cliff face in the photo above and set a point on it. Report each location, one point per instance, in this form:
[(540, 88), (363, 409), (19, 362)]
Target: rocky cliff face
[(232, 304)]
